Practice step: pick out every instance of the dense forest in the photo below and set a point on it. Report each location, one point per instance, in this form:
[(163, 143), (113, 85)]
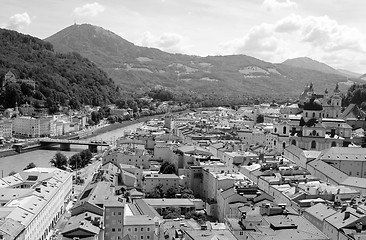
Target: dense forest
[(356, 94), (60, 79)]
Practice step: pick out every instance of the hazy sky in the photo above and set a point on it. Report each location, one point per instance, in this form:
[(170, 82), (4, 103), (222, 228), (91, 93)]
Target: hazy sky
[(330, 31)]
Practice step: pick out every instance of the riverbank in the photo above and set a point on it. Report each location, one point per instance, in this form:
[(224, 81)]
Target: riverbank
[(115, 126), (108, 128), (7, 153)]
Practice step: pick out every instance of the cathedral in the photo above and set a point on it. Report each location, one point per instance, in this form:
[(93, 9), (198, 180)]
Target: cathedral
[(318, 125), (314, 123)]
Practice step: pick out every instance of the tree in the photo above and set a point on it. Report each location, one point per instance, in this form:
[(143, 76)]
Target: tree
[(187, 193), (199, 217), (85, 156), (260, 118), (96, 117), (112, 119), (158, 192), (170, 193), (59, 161), (172, 212), (12, 95), (168, 168), (363, 142), (12, 172), (75, 161), (30, 165)]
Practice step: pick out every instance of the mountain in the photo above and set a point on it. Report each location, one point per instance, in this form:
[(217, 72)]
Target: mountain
[(58, 78), (308, 63), (214, 77), (363, 77), (349, 73)]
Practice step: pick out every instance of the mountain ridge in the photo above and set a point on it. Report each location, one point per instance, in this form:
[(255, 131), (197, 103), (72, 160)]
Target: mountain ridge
[(135, 67)]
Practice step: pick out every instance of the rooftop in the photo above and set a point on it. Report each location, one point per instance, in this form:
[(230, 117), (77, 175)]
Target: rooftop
[(344, 154)]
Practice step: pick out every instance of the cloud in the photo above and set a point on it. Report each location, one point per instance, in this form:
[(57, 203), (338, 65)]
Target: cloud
[(89, 10), (169, 42), (18, 21), (320, 38), (277, 4)]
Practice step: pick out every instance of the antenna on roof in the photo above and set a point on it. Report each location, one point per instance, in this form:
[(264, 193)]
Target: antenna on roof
[(74, 21)]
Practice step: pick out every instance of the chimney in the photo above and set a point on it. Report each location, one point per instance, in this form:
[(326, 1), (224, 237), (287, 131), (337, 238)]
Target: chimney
[(346, 215), (359, 227), (332, 133), (344, 207)]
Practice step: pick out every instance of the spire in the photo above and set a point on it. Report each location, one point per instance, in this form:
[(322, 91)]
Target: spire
[(336, 88)]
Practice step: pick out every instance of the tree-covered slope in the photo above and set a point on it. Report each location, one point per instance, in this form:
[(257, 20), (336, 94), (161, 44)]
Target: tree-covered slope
[(60, 78)]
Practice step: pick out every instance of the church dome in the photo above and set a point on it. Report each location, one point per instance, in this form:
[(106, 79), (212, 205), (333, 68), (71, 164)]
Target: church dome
[(313, 105)]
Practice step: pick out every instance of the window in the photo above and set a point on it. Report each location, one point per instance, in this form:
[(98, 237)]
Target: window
[(142, 229), (148, 229), (147, 237), (119, 213), (142, 237), (306, 114), (284, 130), (119, 230), (241, 233), (129, 229), (313, 145), (293, 142), (313, 114), (283, 145), (113, 229), (334, 144), (135, 229)]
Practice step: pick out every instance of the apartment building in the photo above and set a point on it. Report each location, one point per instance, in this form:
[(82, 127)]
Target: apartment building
[(6, 128), (35, 199), (166, 181)]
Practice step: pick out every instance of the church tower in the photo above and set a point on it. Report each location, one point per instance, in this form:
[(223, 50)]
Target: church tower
[(336, 102)]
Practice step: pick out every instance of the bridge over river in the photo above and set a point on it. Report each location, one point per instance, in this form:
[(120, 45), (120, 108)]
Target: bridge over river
[(66, 143)]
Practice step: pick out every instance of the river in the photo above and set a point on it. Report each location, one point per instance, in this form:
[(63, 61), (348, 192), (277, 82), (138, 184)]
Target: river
[(41, 158)]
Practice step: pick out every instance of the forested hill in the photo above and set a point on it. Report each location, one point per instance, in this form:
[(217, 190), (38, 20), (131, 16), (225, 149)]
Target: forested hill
[(60, 78), (356, 94)]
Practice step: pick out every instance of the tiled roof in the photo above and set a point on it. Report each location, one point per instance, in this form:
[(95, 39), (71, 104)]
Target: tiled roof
[(329, 171), (138, 220), (144, 209), (344, 154), (320, 211)]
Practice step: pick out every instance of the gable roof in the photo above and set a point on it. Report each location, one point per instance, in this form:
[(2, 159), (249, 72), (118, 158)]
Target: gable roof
[(352, 112)]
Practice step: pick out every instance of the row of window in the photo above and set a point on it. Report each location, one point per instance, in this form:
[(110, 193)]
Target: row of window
[(136, 229)]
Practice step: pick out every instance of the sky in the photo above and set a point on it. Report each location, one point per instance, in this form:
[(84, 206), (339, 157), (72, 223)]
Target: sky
[(329, 31)]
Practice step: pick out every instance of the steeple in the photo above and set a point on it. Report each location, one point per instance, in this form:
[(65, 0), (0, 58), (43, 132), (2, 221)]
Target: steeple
[(336, 90)]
